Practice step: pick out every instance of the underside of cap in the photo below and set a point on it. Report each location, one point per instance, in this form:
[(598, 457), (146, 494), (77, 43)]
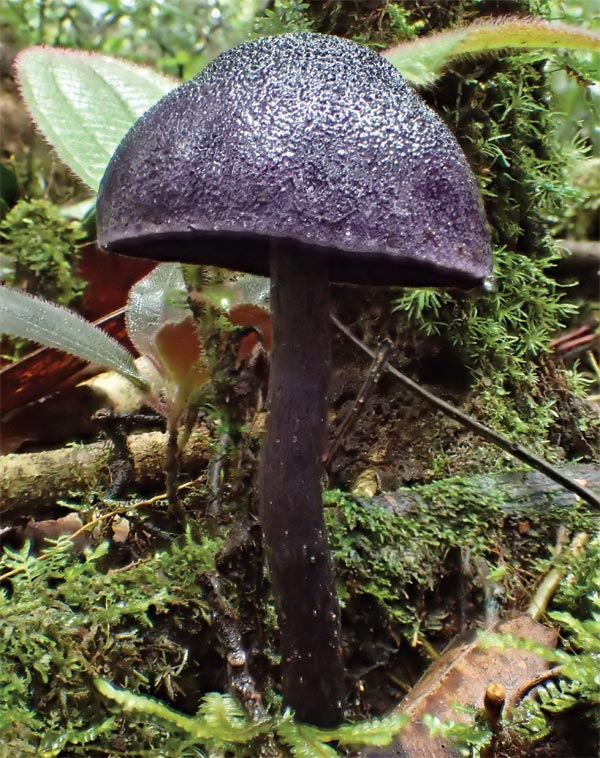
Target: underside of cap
[(251, 254), (303, 137)]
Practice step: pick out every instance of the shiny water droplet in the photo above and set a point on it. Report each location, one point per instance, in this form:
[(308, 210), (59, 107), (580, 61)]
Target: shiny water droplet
[(489, 283)]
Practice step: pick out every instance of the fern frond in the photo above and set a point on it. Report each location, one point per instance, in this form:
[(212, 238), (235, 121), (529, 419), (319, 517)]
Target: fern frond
[(22, 563)]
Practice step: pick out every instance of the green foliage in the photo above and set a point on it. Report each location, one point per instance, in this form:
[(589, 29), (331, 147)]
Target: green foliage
[(285, 16), (51, 325), (67, 620), (39, 248), (501, 335), (221, 722), (507, 131), (397, 558), (39, 254), (397, 561), (177, 37), (468, 739), (423, 61), (84, 104)]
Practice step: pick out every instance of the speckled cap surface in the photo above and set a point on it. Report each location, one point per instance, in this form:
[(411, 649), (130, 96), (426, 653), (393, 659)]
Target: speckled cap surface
[(303, 137)]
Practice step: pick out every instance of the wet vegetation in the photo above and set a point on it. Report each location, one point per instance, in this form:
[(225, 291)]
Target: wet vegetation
[(136, 624)]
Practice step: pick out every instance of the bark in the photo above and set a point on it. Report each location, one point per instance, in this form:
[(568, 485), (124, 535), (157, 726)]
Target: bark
[(32, 483)]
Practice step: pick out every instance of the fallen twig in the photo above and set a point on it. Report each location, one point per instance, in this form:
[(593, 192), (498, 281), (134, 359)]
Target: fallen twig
[(33, 483), (553, 578)]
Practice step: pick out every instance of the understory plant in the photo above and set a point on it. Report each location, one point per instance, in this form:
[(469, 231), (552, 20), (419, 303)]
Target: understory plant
[(70, 629), (66, 620)]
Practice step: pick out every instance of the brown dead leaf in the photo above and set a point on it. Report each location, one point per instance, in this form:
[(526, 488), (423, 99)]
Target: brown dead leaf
[(461, 676), (51, 529)]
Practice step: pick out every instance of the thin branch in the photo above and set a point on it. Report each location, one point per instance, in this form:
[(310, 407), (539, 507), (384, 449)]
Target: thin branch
[(349, 422), (516, 450)]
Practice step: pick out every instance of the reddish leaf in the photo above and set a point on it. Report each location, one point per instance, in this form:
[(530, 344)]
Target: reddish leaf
[(180, 349), (109, 277), (257, 317)]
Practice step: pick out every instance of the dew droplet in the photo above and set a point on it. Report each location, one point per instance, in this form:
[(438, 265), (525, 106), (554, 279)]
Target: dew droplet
[(489, 283)]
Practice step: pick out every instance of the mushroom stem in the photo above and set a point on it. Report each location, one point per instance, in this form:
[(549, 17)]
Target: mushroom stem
[(291, 505)]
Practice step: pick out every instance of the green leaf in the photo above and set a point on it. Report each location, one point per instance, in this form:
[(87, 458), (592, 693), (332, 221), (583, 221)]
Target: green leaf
[(51, 325), (157, 299), (422, 61), (84, 103)]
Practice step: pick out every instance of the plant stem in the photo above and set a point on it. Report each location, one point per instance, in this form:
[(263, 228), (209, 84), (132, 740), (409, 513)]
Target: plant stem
[(291, 506)]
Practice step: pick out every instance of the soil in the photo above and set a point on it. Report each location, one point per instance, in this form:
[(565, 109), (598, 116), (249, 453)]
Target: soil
[(399, 435)]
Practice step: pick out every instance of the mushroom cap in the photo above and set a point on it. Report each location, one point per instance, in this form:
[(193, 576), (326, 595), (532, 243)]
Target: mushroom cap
[(304, 137)]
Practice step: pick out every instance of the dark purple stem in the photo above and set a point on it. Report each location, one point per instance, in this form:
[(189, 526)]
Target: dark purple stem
[(291, 505)]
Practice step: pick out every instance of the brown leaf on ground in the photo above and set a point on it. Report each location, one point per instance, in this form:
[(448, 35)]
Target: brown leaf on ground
[(461, 676)]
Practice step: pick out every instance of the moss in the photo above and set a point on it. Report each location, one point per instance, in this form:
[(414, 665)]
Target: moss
[(499, 111), (143, 616), (404, 553), (39, 247), (67, 620)]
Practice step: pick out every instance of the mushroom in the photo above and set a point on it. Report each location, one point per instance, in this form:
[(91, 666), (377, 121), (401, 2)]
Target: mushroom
[(307, 158)]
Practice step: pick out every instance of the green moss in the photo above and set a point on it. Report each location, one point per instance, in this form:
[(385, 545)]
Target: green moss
[(399, 559), (66, 620), (501, 116), (40, 246), (403, 554)]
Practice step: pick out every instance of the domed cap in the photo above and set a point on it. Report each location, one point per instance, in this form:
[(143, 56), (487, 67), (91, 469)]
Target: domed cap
[(300, 136)]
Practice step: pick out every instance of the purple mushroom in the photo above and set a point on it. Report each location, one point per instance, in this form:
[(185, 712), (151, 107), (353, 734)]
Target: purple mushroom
[(307, 158)]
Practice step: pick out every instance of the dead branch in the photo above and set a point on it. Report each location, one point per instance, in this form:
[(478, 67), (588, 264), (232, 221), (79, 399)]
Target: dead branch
[(31, 482)]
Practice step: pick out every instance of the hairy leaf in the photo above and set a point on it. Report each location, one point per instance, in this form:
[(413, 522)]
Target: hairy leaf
[(157, 299), (32, 318), (84, 103), (422, 61), (160, 324)]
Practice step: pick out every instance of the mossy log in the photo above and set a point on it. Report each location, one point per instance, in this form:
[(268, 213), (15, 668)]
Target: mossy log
[(32, 483), (528, 492)]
